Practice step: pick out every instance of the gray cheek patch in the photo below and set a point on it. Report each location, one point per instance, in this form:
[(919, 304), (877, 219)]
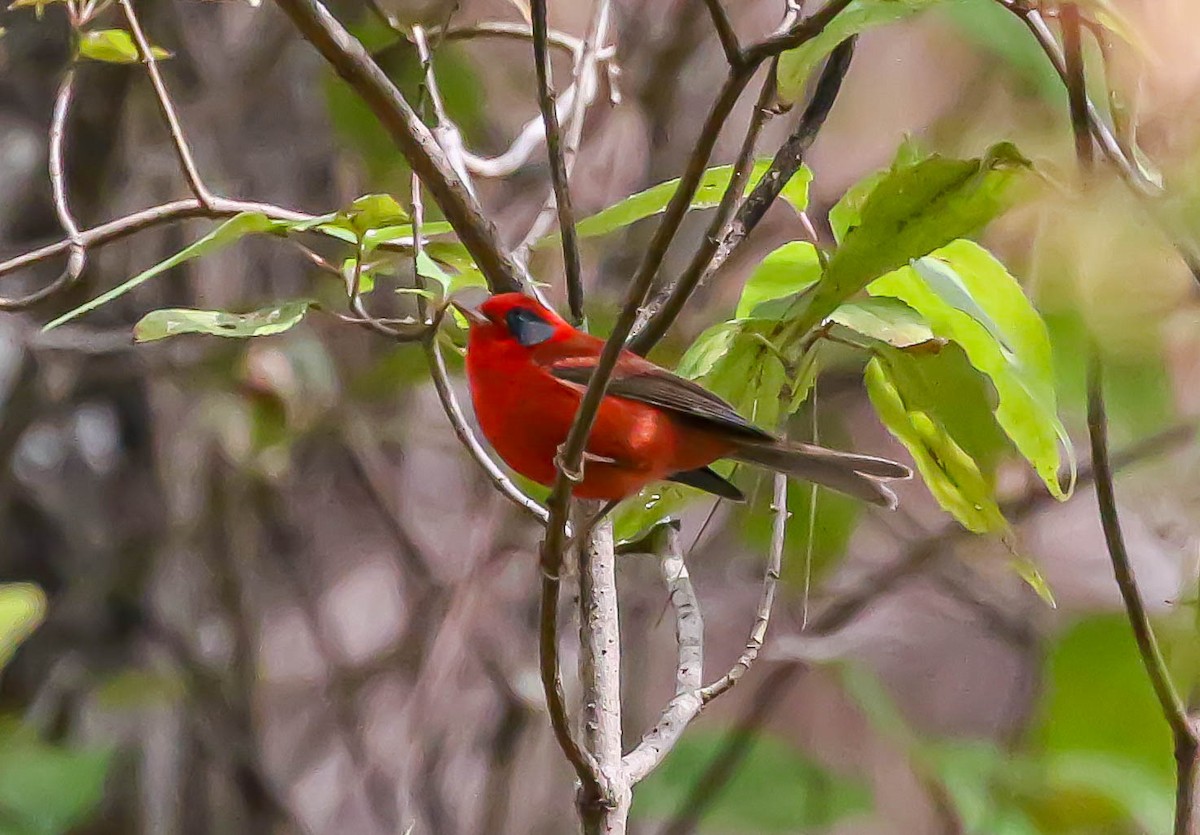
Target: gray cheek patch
[(527, 327)]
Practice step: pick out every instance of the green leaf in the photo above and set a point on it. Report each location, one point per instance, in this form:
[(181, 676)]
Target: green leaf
[(1080, 732), (885, 320), (237, 227), (796, 65), (790, 269), (847, 212), (707, 350), (114, 46), (775, 790), (265, 321), (44, 789), (911, 212), (951, 475), (968, 297), (708, 194), (375, 211), (429, 269), (22, 609), (1028, 571)]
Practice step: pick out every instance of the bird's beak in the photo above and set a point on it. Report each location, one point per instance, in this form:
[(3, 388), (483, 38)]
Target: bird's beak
[(470, 312)]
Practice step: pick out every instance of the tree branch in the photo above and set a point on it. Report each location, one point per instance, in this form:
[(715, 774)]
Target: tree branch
[(766, 602), (1182, 730), (603, 808), (182, 150), (657, 742), (715, 251), (725, 33), (558, 168), (581, 92), (353, 63)]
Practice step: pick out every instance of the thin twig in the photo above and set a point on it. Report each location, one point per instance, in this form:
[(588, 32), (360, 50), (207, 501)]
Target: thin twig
[(725, 33), (558, 168), (583, 89), (784, 165), (794, 35), (718, 228), (689, 669), (1182, 730), (766, 602), (182, 149), (1076, 87), (77, 249)]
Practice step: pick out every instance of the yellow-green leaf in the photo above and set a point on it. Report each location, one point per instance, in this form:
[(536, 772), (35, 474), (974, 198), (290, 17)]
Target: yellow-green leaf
[(266, 321), (22, 609), (114, 46), (951, 475)]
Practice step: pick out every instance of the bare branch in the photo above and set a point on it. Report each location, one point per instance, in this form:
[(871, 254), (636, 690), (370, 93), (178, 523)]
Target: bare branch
[(1076, 87), (794, 35), (725, 33), (583, 91), (719, 246), (77, 259), (689, 672), (1182, 729), (354, 64), (766, 601), (182, 150), (604, 806), (558, 168)]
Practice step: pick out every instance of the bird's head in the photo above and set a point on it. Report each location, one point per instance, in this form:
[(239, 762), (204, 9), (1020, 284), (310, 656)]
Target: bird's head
[(513, 316)]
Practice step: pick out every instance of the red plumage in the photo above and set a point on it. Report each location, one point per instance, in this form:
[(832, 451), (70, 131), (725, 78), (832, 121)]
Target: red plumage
[(528, 369)]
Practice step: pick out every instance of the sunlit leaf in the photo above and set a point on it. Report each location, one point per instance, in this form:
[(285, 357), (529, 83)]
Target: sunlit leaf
[(45, 789), (114, 46), (911, 212), (789, 269), (708, 348), (1028, 571), (885, 320), (774, 790), (266, 321), (22, 609), (237, 227), (429, 269), (375, 211), (708, 194), (796, 65), (968, 297), (951, 475)]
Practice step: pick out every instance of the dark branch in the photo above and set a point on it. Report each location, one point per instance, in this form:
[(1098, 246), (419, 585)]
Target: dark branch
[(718, 247), (725, 33), (558, 166)]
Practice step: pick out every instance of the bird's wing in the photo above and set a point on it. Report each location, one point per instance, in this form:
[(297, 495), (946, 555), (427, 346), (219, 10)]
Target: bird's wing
[(641, 380)]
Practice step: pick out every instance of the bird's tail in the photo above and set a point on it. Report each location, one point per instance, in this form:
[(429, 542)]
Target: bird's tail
[(861, 476)]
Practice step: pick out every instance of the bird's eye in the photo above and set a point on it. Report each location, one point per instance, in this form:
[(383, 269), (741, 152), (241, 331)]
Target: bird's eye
[(527, 327)]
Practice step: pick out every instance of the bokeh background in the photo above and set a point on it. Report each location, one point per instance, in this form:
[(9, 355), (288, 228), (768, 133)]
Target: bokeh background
[(283, 598)]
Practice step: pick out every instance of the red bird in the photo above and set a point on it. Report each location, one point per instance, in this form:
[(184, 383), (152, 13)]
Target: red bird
[(528, 369)]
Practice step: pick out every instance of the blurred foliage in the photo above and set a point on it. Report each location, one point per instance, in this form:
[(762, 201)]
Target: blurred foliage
[(45, 789), (776, 790)]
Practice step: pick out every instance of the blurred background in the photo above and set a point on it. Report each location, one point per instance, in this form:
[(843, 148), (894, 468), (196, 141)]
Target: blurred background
[(283, 599)]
